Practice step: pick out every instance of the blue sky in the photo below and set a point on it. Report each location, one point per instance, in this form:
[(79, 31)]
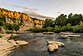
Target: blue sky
[(44, 8)]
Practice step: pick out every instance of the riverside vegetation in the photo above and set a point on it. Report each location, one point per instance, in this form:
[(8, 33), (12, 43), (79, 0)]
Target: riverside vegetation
[(73, 23)]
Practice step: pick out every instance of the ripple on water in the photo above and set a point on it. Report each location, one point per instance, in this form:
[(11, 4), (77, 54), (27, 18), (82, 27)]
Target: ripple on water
[(38, 46)]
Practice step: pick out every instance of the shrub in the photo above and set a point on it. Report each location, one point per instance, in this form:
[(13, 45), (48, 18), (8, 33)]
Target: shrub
[(9, 32), (49, 29), (76, 29), (0, 36), (37, 29), (68, 26), (57, 29), (81, 26), (64, 29)]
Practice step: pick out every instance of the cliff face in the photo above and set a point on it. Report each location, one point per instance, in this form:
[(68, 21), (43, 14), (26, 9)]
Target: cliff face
[(17, 17)]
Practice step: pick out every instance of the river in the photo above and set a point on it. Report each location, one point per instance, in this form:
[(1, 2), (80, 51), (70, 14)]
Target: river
[(38, 46)]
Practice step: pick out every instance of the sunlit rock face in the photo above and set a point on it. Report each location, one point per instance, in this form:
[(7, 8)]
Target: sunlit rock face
[(19, 15), (13, 17)]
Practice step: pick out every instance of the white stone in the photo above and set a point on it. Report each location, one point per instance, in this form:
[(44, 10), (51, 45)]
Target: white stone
[(55, 42), (19, 42), (52, 47)]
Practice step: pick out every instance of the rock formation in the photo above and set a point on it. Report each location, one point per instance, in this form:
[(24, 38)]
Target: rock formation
[(53, 45), (2, 30), (13, 17)]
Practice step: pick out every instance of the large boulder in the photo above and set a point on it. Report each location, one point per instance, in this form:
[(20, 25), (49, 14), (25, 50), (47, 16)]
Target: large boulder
[(55, 42), (51, 48), (2, 30), (53, 45)]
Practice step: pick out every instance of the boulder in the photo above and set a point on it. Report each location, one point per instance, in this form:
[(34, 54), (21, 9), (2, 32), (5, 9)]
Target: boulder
[(55, 42), (53, 45), (21, 42), (51, 48), (2, 30)]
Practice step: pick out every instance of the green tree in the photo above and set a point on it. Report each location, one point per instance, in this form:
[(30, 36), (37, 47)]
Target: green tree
[(74, 19), (17, 27), (48, 23), (61, 20), (68, 26)]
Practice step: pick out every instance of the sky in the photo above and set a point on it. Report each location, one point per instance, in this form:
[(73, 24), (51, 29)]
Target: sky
[(43, 9)]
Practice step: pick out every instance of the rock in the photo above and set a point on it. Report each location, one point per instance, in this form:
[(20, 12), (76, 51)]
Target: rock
[(55, 42), (48, 32), (21, 42), (2, 30), (51, 48), (12, 42), (60, 44)]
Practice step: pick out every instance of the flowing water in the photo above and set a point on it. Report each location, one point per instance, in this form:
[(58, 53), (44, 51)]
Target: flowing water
[(38, 46)]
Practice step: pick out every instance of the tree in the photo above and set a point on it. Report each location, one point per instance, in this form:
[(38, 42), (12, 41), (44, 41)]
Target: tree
[(74, 19), (70, 18), (61, 20), (48, 23), (68, 26), (17, 27)]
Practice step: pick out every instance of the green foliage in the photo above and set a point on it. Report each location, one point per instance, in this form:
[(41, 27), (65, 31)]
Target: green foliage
[(48, 23), (76, 29), (0, 36), (74, 19), (49, 29), (64, 29), (61, 20), (37, 29), (9, 32), (1, 22), (68, 26), (9, 26), (16, 27), (81, 26), (57, 29)]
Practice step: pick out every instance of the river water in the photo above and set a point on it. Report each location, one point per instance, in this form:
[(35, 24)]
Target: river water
[(38, 46)]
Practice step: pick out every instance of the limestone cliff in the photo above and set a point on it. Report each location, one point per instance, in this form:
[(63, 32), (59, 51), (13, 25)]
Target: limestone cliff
[(19, 15), (14, 17)]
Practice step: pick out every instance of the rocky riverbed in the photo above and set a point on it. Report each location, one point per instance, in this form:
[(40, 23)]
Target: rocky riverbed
[(38, 45), (7, 46)]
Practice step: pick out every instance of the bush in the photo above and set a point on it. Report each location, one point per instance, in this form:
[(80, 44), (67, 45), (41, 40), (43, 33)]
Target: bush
[(81, 27), (0, 36), (68, 26), (76, 29), (9, 32), (64, 29), (37, 29), (57, 29), (49, 29)]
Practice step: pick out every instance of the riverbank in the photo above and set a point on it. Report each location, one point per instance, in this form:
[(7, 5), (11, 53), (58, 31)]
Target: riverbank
[(7, 46)]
